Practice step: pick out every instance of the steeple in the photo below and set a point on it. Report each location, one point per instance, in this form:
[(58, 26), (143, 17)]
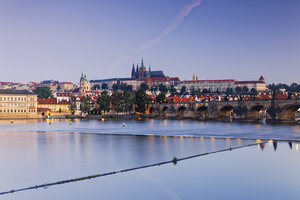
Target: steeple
[(133, 74), (142, 63)]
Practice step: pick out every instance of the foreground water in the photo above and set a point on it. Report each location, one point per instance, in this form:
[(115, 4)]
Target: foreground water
[(35, 152)]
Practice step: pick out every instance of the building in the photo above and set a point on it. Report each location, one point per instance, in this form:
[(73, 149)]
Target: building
[(208, 85), (139, 75), (63, 96), (85, 86), (142, 73), (20, 104), (66, 86), (53, 107), (259, 85), (222, 85)]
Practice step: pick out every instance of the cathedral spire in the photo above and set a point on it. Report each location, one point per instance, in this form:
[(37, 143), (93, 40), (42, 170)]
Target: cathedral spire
[(142, 64), (133, 74)]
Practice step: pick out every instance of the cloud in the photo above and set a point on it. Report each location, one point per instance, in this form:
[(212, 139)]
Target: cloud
[(174, 24)]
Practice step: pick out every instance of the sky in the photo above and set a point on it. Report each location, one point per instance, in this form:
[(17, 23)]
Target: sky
[(217, 39)]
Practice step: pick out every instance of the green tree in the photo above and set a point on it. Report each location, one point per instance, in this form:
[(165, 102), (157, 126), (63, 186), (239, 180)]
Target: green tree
[(85, 104), (144, 86), (43, 92), (161, 98), (104, 101), (73, 106), (104, 86), (59, 110), (118, 102), (163, 88), (238, 89), (129, 98), (141, 101), (96, 87), (183, 89)]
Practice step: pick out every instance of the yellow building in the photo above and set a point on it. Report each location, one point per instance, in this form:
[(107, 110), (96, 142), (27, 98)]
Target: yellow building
[(52, 107), (17, 104)]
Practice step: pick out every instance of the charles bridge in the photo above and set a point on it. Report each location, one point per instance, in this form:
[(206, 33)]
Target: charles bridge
[(271, 110)]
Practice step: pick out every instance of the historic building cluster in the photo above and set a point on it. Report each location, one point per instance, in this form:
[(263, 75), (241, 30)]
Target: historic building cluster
[(17, 100)]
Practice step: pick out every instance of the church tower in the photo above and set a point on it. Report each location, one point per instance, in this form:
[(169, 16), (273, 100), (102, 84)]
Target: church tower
[(85, 85), (133, 73)]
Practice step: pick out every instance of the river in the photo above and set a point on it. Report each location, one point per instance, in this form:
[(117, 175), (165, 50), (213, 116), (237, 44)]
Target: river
[(35, 152)]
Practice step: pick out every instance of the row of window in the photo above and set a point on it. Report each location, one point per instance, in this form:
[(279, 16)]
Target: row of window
[(16, 111), (14, 105), (14, 99)]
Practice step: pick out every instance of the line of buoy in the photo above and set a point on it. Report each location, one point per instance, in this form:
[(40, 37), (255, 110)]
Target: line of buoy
[(175, 160)]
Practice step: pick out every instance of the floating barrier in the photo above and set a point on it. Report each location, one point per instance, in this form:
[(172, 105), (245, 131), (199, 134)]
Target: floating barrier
[(175, 160)]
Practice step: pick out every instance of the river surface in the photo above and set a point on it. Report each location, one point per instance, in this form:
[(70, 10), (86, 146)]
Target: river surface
[(35, 152)]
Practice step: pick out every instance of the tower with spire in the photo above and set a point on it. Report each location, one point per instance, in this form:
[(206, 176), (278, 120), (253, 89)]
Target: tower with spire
[(133, 73)]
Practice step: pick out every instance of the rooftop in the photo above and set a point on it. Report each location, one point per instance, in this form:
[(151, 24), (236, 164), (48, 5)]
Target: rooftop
[(9, 91)]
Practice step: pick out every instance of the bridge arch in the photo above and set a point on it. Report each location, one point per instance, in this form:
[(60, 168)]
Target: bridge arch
[(288, 113), (200, 113), (256, 112), (226, 111)]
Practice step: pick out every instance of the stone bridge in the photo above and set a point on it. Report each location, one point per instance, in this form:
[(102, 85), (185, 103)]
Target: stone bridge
[(271, 110)]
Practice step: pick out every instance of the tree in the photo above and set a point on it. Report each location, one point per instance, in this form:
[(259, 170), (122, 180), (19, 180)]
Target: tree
[(173, 90), (141, 101), (163, 88), (144, 86), (129, 98), (238, 89), (59, 110), (43, 92), (182, 91), (205, 91), (85, 104), (96, 87), (229, 90), (104, 86), (73, 106), (253, 91), (115, 87), (118, 102), (245, 89), (161, 98), (104, 101), (58, 87)]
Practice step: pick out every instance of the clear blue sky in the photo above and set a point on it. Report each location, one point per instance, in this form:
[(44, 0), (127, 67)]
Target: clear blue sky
[(241, 39)]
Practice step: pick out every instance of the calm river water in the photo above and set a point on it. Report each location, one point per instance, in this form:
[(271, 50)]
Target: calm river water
[(37, 152)]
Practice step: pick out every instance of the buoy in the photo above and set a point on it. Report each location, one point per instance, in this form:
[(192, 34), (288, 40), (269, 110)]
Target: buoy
[(123, 124), (11, 121), (70, 123), (102, 119)]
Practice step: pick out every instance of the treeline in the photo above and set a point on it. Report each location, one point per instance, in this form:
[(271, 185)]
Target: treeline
[(120, 102), (294, 87)]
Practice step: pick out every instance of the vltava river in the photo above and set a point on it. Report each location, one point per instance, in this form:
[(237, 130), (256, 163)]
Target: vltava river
[(37, 152)]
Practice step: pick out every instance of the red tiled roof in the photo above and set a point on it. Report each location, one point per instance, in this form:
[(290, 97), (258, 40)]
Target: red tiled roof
[(66, 83)]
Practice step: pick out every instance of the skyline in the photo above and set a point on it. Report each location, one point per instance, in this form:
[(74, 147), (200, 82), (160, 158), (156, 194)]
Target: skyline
[(216, 39)]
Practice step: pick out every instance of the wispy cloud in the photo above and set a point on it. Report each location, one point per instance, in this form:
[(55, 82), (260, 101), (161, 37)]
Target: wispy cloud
[(174, 24)]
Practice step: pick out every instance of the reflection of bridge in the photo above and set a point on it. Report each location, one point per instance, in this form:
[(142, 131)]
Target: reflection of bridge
[(272, 110)]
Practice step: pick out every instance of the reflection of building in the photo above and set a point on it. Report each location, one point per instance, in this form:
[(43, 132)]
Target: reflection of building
[(18, 104), (259, 85)]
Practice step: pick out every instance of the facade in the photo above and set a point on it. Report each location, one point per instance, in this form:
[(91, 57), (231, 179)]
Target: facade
[(222, 85), (139, 75), (66, 86), (209, 85), (259, 86), (20, 104), (85, 86), (63, 96), (53, 107)]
